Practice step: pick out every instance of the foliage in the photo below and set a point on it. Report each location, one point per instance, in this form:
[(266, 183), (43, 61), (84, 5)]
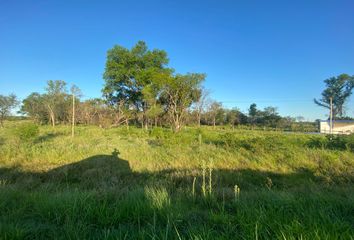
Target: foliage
[(215, 113), (6, 104), (131, 77), (139, 78), (128, 71), (179, 93), (334, 142), (53, 106), (26, 131), (339, 89), (34, 107), (140, 89)]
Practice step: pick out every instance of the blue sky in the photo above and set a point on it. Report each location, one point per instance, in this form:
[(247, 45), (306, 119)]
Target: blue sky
[(269, 52)]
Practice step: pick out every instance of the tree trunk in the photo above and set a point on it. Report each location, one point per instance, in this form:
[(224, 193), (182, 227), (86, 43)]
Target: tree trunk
[(176, 123), (51, 115), (53, 119), (127, 123)]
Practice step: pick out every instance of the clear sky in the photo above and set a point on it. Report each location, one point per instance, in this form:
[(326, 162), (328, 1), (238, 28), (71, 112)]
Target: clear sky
[(269, 52)]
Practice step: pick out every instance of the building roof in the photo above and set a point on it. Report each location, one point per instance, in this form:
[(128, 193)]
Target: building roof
[(339, 121)]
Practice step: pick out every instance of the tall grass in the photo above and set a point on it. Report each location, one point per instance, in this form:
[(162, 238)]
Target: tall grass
[(197, 184)]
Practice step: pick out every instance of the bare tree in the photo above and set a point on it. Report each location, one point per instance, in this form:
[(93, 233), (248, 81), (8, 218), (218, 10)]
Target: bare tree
[(214, 109), (201, 104)]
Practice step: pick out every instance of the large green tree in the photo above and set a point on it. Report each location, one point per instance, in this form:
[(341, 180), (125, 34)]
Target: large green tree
[(339, 89), (129, 71), (6, 104)]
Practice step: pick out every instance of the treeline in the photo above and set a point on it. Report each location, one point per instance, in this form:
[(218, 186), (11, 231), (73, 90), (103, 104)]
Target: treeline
[(55, 107), (141, 89)]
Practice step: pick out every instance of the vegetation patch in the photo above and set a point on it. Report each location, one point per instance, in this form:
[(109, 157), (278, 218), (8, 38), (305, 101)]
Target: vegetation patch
[(199, 183)]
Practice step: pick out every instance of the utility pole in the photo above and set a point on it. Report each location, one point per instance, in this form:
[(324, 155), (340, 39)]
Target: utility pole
[(331, 116), (73, 117), (75, 93)]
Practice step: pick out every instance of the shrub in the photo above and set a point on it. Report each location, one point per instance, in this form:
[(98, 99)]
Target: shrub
[(333, 142), (157, 132), (317, 142), (26, 131)]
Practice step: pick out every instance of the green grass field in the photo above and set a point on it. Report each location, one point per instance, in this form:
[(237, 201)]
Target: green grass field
[(196, 184)]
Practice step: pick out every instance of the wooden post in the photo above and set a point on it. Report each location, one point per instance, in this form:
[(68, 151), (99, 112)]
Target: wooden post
[(331, 116), (73, 117)]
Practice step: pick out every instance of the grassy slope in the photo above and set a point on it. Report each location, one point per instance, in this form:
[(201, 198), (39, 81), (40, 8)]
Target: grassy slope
[(130, 184)]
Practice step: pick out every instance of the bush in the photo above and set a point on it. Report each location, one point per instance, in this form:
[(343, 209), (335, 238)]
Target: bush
[(157, 132), (333, 142), (26, 131), (317, 142)]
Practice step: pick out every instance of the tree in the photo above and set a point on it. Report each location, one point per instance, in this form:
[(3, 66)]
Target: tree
[(88, 111), (6, 104), (234, 117), (151, 94), (178, 93), (215, 111), (201, 104), (52, 106), (270, 116), (253, 113), (127, 72), (34, 107), (300, 118), (339, 89), (56, 100)]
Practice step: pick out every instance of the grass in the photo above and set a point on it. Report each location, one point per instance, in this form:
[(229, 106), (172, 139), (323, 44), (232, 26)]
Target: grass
[(197, 184)]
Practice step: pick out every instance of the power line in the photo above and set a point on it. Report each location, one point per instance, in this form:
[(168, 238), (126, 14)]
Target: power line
[(266, 101)]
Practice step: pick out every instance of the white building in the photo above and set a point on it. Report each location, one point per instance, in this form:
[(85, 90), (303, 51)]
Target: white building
[(339, 126)]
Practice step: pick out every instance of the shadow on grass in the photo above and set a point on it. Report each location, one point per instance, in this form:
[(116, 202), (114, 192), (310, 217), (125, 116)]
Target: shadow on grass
[(102, 172), (84, 200)]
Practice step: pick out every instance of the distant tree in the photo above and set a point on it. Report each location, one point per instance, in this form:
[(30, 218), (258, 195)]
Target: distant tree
[(56, 100), (6, 104), (232, 117), (270, 116), (95, 111), (300, 118), (178, 94), (215, 112), (201, 105), (52, 106), (339, 89), (253, 113), (34, 107)]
